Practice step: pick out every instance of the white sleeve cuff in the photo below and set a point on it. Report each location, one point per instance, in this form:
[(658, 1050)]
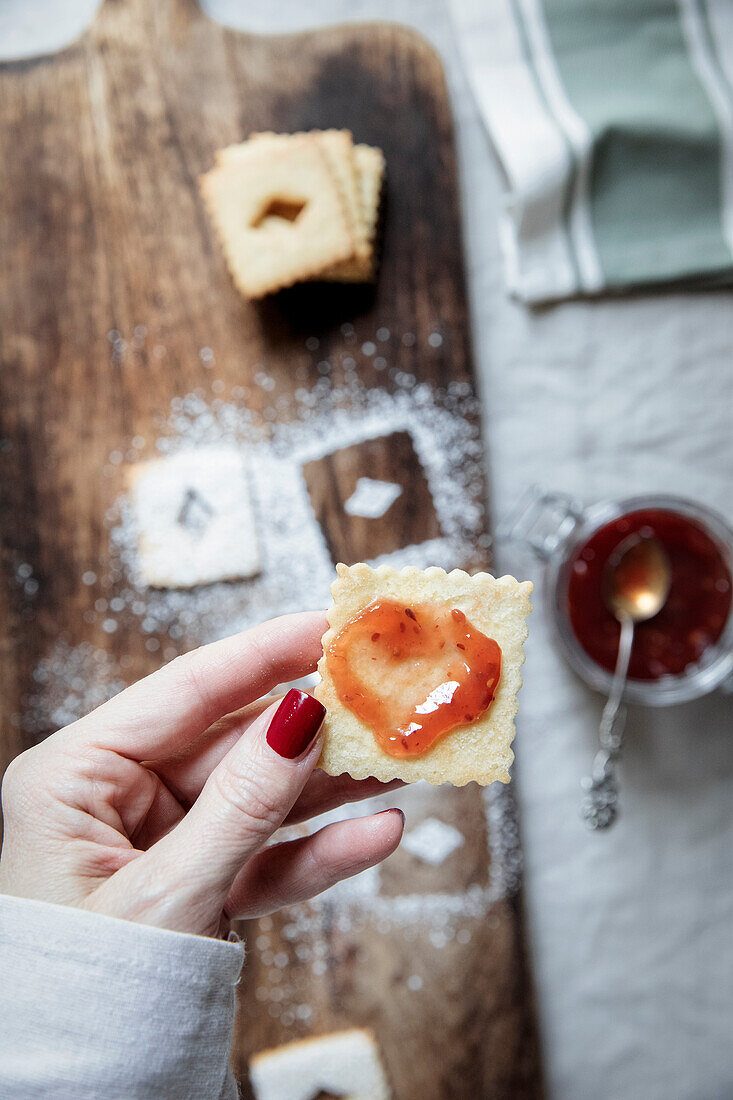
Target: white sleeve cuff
[(92, 1006)]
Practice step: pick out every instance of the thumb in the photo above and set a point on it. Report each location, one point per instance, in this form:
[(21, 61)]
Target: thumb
[(245, 799)]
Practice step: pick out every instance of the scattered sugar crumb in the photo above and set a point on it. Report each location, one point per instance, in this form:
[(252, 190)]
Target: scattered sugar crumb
[(372, 498), (432, 841)]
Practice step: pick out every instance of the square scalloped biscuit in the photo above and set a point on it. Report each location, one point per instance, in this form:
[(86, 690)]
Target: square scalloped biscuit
[(480, 751), (359, 174), (266, 253), (338, 148), (370, 166), (194, 518), (345, 1064)]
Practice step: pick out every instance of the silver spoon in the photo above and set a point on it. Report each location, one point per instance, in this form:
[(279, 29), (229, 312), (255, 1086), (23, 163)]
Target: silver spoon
[(635, 588)]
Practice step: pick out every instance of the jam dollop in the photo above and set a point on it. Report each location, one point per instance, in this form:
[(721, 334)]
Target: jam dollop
[(696, 610), (413, 672)]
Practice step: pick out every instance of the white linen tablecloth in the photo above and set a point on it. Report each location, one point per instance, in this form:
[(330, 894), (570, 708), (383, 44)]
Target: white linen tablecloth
[(631, 930)]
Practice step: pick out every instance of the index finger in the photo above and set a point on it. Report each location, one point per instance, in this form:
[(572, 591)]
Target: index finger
[(165, 710)]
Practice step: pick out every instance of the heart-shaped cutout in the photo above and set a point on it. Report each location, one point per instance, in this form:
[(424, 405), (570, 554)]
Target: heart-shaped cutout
[(279, 210), (413, 673)]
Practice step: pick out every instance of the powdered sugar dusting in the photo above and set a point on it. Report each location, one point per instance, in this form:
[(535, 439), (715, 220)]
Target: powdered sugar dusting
[(297, 570), (68, 683)]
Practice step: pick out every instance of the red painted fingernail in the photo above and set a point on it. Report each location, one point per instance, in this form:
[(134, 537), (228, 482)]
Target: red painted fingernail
[(295, 723)]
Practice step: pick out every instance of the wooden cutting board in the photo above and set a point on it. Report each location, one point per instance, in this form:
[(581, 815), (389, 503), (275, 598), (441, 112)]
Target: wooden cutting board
[(113, 290)]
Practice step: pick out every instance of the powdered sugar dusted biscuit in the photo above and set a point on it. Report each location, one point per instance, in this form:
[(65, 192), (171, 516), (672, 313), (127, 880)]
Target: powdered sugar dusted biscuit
[(278, 212), (345, 1064), (481, 750), (194, 518)]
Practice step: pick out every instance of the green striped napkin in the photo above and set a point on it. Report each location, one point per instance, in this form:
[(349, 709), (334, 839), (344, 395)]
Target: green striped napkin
[(613, 121)]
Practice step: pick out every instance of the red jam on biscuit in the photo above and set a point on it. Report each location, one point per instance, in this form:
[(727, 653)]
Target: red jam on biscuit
[(413, 673)]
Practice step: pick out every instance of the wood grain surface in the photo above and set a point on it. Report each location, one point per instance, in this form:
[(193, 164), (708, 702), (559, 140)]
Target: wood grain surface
[(102, 228)]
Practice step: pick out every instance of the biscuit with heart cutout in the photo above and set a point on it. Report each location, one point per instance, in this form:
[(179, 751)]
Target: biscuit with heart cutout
[(340, 153), (279, 214), (478, 750)]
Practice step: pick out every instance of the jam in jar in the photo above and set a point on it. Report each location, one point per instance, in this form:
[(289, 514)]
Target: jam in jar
[(694, 615)]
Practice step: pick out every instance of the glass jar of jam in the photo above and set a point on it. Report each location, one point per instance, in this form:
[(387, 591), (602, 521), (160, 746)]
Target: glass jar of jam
[(683, 652)]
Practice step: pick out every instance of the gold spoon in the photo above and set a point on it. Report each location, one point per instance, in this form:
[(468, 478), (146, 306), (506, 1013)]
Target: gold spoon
[(635, 588)]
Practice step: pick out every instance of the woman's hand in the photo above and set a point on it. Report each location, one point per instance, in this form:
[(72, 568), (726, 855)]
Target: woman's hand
[(158, 806)]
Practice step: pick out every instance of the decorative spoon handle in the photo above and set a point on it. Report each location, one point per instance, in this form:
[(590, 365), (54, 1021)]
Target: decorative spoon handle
[(599, 807)]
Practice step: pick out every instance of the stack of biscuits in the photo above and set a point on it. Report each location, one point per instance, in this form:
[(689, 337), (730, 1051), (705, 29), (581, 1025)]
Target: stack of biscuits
[(292, 208)]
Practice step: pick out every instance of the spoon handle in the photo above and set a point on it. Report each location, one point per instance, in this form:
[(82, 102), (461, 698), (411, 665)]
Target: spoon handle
[(599, 807)]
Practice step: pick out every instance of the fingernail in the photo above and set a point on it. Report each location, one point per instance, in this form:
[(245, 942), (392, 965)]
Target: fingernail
[(294, 724), (392, 810)]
